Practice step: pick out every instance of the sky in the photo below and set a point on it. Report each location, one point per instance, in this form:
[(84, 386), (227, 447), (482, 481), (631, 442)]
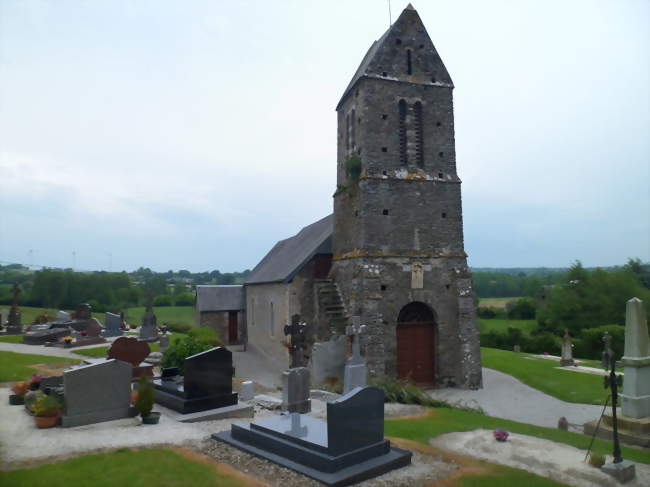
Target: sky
[(194, 135)]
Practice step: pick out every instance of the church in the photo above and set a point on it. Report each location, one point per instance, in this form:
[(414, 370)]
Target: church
[(392, 252)]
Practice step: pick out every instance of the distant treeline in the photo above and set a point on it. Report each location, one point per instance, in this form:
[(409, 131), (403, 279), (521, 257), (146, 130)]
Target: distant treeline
[(515, 282), (106, 291)]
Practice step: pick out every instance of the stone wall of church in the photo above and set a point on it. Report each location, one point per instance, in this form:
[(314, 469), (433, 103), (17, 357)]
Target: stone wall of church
[(378, 288)]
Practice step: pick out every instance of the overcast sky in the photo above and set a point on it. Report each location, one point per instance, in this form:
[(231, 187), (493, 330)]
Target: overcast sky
[(195, 134)]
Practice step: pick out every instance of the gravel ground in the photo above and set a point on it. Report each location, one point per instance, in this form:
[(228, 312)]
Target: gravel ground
[(557, 461), (423, 470), (505, 397)]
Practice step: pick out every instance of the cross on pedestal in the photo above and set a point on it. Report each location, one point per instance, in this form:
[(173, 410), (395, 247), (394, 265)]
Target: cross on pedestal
[(16, 292), (612, 382), (296, 332), (354, 331)]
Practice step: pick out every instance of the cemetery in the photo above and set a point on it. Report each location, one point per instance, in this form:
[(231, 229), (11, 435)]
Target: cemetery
[(351, 354)]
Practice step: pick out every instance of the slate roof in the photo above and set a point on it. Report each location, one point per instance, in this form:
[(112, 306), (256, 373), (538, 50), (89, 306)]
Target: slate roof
[(219, 298), (382, 52), (288, 256)]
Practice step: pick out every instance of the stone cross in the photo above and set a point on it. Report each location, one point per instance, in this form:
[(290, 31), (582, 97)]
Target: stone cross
[(608, 352), (296, 332), (354, 331), (16, 292)]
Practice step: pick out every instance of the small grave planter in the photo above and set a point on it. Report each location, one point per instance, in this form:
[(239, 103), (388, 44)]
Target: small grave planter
[(46, 421), (151, 418), (16, 400)]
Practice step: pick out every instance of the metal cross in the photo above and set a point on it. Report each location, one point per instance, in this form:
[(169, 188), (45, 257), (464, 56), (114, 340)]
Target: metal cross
[(612, 382), (296, 332)]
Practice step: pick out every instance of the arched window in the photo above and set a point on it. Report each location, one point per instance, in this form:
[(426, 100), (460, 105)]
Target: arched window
[(403, 157), (419, 136), (272, 320)]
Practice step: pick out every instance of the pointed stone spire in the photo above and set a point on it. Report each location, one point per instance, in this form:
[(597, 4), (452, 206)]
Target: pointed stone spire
[(637, 343), (409, 7)]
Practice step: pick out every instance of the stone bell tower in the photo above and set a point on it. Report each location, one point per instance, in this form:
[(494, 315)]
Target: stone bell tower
[(399, 259)]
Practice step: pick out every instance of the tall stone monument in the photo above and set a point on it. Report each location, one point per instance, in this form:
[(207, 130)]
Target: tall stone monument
[(296, 381), (567, 350), (149, 326), (356, 371), (14, 325)]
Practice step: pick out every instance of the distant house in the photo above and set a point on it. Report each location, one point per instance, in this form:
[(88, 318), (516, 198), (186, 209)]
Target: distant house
[(222, 308)]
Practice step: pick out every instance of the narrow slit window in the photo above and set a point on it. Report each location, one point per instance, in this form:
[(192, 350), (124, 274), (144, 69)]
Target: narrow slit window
[(419, 136), (409, 67), (403, 158), (352, 124)]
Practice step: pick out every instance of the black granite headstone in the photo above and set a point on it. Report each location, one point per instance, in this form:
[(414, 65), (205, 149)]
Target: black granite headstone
[(355, 420), (347, 448), (207, 383)]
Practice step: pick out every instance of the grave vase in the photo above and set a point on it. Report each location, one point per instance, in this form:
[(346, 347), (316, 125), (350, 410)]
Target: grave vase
[(46, 421)]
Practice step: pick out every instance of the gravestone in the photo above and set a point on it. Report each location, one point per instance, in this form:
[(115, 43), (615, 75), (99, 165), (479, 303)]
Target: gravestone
[(96, 393), (328, 361), (636, 363), (295, 390), (207, 383), (163, 342), (347, 448), (112, 326), (517, 349), (567, 350), (247, 392), (356, 371), (63, 317), (149, 326), (4, 315), (132, 351)]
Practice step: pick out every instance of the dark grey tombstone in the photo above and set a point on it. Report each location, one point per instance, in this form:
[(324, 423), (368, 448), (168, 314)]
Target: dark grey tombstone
[(96, 393), (112, 326), (348, 448), (207, 383), (295, 390), (355, 420)]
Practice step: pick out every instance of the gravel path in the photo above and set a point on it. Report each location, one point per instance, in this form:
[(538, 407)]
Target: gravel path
[(42, 350), (505, 397)]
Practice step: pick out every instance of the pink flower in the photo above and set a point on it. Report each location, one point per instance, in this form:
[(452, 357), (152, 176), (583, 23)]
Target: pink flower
[(500, 434)]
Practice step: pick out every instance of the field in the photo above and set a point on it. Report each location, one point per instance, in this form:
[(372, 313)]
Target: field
[(502, 325), (499, 303)]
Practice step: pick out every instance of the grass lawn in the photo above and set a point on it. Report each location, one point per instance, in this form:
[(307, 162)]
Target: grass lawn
[(14, 366), (541, 374), (501, 325), (506, 477), (494, 302), (12, 339), (141, 468), (444, 420)]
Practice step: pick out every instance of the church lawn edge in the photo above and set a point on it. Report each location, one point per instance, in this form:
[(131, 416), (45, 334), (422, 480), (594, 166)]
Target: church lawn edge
[(153, 467), (448, 420), (543, 375), (16, 366)]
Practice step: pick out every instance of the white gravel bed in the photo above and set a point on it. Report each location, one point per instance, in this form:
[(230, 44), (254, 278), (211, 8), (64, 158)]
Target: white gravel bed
[(557, 461)]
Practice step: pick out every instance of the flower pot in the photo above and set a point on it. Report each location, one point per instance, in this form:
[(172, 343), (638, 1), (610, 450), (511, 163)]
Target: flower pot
[(151, 418), (46, 421), (16, 400)]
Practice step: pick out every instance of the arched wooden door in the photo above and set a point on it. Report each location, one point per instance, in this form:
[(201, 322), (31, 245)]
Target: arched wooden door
[(416, 344)]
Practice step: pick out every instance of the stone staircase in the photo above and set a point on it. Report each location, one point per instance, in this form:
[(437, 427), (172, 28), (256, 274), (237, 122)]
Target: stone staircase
[(331, 312)]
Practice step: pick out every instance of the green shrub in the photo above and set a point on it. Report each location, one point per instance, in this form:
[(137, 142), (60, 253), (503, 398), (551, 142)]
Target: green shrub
[(206, 335), (178, 327), (184, 299), (487, 313), (590, 345), (521, 309), (162, 300), (405, 392), (144, 402), (180, 349), (596, 459)]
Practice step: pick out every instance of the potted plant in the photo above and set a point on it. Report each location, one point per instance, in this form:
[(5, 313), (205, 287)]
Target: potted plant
[(46, 409), (19, 390), (144, 401)]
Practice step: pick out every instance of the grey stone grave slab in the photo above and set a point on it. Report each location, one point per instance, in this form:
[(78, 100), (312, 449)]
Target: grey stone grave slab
[(347, 448), (4, 315), (97, 393), (295, 390), (63, 317), (207, 383), (356, 371), (623, 471), (247, 391), (328, 361), (163, 342), (112, 326)]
